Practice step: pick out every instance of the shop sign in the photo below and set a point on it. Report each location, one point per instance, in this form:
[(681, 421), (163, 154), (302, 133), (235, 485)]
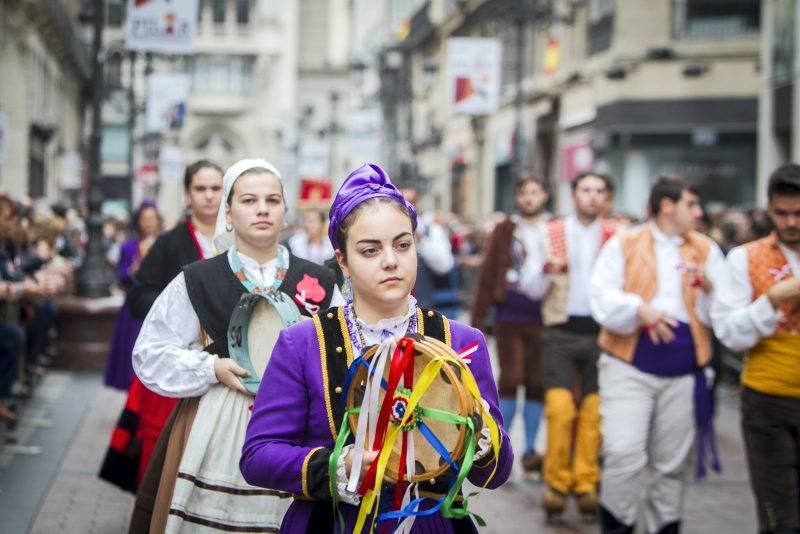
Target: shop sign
[(473, 75), (161, 26)]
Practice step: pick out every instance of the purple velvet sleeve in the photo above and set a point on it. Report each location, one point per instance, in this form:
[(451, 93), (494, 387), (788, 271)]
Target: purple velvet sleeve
[(482, 371), (129, 253), (272, 456)]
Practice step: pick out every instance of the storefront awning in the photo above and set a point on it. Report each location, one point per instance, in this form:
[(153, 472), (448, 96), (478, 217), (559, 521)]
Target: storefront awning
[(724, 115)]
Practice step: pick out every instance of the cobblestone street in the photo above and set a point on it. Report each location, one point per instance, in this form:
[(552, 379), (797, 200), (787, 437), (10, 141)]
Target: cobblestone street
[(58, 489)]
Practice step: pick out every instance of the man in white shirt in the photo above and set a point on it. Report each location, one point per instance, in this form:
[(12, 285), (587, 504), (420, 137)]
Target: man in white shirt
[(517, 319), (651, 291), (757, 310), (569, 349)]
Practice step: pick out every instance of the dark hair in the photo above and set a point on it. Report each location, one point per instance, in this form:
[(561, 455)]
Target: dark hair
[(784, 181), (6, 202), (137, 215), (528, 178), (344, 227), (671, 187), (196, 167), (609, 183)]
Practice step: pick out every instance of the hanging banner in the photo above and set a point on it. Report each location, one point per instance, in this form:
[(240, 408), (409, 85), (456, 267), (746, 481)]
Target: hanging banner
[(552, 56), (167, 93), (313, 162), (364, 132), (161, 26), (576, 157), (171, 164), (314, 193), (473, 75)]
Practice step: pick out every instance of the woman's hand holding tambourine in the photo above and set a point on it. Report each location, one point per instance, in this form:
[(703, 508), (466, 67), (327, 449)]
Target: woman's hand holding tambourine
[(228, 372)]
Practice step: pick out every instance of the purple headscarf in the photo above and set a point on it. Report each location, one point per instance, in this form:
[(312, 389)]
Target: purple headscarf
[(366, 182)]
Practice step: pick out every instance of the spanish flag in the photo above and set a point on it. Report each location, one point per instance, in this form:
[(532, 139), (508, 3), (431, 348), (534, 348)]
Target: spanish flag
[(402, 31)]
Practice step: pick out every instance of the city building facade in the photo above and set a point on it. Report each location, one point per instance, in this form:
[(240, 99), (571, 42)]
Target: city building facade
[(44, 70), (634, 89)]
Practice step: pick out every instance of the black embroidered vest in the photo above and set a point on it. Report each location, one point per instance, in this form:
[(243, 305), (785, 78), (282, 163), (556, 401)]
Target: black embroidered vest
[(215, 291)]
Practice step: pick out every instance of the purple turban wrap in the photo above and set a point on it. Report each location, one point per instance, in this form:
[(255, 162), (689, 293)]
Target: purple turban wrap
[(366, 182)]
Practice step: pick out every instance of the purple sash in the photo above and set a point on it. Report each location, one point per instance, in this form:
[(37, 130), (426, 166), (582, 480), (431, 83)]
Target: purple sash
[(675, 359), (518, 308)]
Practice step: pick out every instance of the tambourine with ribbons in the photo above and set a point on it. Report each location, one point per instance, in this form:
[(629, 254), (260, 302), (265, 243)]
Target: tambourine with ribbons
[(253, 331), (415, 402)]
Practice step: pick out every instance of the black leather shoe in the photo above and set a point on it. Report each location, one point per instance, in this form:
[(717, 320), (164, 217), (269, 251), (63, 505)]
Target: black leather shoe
[(611, 525)]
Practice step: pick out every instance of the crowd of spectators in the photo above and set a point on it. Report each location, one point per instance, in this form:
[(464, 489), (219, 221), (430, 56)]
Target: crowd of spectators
[(41, 246)]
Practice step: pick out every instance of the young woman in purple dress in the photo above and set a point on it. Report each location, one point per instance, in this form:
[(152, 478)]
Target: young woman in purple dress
[(297, 411), (146, 223)]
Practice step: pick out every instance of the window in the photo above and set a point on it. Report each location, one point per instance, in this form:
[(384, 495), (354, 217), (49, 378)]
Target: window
[(114, 143), (200, 6), (716, 18), (218, 11), (222, 75), (601, 26), (243, 11), (115, 13)]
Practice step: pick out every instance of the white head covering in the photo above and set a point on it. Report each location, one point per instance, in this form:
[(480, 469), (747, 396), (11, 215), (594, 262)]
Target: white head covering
[(223, 239)]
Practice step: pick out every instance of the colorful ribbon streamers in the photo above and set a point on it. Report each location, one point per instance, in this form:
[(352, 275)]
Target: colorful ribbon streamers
[(380, 425)]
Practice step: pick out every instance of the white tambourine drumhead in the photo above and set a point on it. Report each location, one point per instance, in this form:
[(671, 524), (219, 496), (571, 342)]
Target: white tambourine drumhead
[(253, 331), (262, 334)]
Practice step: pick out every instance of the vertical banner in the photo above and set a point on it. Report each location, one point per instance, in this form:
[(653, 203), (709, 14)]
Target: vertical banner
[(473, 75), (576, 157), (552, 56), (364, 133), (171, 164), (313, 161), (162, 26), (167, 93)]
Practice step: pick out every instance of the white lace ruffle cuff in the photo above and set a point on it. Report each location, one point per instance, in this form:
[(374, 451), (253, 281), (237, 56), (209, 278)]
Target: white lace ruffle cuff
[(341, 479)]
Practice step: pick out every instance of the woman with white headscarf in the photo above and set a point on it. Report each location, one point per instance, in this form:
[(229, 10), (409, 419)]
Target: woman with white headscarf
[(182, 351)]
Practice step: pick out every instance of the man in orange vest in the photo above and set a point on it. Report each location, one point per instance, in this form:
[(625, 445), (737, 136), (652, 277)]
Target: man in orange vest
[(651, 292), (758, 311), (569, 344)]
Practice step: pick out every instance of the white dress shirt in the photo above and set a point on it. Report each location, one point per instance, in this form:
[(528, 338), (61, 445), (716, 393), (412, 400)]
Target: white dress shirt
[(206, 243), (167, 357), (528, 238), (583, 242), (616, 310), (434, 247), (739, 321)]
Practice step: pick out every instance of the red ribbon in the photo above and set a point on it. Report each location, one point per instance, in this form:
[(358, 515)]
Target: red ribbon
[(195, 242), (402, 363)]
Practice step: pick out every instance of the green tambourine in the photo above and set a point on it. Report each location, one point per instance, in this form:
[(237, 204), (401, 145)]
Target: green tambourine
[(253, 331)]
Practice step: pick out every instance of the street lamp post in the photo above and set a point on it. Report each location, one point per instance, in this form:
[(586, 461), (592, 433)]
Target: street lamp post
[(93, 279), (333, 133)]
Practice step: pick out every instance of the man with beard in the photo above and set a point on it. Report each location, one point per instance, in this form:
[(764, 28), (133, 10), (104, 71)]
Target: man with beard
[(651, 292), (758, 310), (569, 344), (517, 318)]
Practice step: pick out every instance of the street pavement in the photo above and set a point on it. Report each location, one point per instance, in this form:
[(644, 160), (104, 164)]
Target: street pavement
[(58, 490)]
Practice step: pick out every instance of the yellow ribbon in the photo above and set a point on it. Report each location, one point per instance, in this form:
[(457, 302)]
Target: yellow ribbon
[(426, 378)]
